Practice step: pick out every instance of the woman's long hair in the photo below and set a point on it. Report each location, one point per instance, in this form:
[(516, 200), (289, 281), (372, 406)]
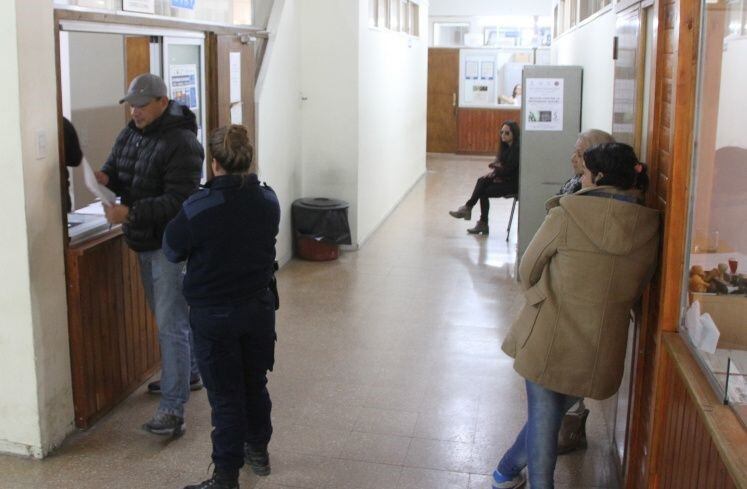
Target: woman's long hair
[(505, 151)]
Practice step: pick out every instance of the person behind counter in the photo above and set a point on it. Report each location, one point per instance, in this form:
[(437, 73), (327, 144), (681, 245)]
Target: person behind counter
[(501, 181), (583, 271), (226, 232), (73, 157), (515, 98), (154, 166)]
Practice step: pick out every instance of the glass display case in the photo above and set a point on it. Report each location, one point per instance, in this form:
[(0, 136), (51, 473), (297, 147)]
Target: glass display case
[(714, 321)]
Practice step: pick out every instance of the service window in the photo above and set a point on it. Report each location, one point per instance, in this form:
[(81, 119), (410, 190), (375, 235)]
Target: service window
[(714, 320)]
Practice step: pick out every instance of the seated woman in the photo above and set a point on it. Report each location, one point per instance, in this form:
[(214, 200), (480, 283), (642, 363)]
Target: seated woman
[(585, 140), (503, 179), (583, 271)]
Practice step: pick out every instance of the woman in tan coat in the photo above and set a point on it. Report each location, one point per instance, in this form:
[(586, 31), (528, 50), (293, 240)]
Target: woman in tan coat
[(586, 266)]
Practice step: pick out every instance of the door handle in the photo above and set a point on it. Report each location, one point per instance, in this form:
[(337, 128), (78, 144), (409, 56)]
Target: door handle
[(454, 99)]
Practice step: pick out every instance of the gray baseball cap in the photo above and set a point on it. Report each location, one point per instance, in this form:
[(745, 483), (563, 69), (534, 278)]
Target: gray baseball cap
[(143, 89)]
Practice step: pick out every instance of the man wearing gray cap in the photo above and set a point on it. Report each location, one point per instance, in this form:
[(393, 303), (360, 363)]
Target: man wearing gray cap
[(154, 166)]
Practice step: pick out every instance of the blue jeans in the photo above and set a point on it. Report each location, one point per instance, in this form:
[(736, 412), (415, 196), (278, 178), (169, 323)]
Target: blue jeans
[(537, 443), (235, 347), (162, 281)]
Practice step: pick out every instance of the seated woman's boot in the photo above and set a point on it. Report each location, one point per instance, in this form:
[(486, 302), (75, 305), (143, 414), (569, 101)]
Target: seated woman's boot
[(480, 228), (464, 212)]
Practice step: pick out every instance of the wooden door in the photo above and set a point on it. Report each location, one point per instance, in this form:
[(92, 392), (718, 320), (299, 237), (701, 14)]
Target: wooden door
[(137, 62), (629, 72), (443, 96), (231, 57)]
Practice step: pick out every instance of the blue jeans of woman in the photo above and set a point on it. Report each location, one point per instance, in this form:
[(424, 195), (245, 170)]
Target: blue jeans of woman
[(536, 446), (162, 281), (235, 347)]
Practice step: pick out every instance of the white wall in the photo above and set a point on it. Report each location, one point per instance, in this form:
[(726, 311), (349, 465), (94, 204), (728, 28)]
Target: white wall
[(490, 7), (36, 398), (590, 46), (392, 132), (732, 102), (329, 74), (278, 100), (94, 100)]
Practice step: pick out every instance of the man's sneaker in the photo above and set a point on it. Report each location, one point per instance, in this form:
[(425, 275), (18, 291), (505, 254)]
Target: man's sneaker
[(166, 424), (500, 481), (219, 480), (195, 384), (258, 459)]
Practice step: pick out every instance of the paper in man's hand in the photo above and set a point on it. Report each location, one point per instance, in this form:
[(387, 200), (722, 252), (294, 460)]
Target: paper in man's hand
[(106, 196)]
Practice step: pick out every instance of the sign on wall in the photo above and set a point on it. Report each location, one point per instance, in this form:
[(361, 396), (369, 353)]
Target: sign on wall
[(544, 104), (141, 6), (185, 4), (183, 80)]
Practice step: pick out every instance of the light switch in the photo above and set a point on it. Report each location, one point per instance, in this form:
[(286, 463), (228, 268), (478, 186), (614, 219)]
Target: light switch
[(41, 144)]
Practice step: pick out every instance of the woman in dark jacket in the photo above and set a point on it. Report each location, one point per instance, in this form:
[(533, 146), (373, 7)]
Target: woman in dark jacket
[(503, 180), (227, 233)]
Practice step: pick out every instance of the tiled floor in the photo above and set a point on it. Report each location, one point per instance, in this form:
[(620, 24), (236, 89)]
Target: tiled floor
[(389, 373)]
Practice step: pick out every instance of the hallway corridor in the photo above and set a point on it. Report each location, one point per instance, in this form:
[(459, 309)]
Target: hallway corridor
[(389, 373)]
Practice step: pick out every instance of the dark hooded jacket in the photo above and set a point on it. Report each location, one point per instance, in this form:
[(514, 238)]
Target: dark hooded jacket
[(154, 170)]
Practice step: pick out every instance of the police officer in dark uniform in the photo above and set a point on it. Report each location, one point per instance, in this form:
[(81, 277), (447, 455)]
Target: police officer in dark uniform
[(227, 233)]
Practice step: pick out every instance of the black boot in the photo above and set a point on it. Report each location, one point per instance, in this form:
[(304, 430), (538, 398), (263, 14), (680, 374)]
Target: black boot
[(480, 228), (258, 459), (221, 479)]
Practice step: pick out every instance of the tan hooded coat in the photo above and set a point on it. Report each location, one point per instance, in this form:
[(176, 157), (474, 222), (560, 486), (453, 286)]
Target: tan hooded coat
[(584, 269)]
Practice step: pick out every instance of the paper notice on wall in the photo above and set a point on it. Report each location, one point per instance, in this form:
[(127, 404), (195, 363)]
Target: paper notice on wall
[(487, 69), (235, 70), (183, 85), (544, 104), (237, 113), (89, 177), (141, 6), (471, 70)]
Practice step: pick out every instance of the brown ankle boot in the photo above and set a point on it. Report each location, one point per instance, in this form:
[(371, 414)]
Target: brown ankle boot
[(463, 212), (480, 228), (572, 435)]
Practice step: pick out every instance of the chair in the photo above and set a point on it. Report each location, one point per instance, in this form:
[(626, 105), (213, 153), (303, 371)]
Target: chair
[(511, 217)]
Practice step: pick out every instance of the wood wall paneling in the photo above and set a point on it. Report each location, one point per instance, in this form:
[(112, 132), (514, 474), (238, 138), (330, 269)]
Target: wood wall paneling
[(478, 129), (694, 453), (113, 336)]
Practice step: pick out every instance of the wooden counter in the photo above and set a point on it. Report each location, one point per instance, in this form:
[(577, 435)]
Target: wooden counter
[(704, 443), (113, 336), (478, 128)]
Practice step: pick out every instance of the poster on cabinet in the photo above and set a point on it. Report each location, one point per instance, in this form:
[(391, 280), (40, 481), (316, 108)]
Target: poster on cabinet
[(544, 104)]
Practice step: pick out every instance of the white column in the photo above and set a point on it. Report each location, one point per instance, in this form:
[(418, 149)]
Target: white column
[(36, 400)]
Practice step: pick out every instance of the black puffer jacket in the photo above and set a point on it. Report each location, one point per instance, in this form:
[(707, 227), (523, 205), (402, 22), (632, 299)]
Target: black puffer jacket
[(154, 170)]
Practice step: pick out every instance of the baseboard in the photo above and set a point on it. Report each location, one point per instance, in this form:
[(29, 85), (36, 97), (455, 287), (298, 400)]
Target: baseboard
[(365, 238), (20, 449)]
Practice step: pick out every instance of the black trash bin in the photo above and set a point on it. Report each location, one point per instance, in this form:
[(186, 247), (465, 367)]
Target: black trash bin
[(320, 225)]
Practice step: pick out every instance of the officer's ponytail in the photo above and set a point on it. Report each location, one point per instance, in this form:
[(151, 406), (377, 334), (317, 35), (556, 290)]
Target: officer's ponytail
[(230, 147)]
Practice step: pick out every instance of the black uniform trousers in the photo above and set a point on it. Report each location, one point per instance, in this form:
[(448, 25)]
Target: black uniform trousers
[(235, 347), (485, 188)]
